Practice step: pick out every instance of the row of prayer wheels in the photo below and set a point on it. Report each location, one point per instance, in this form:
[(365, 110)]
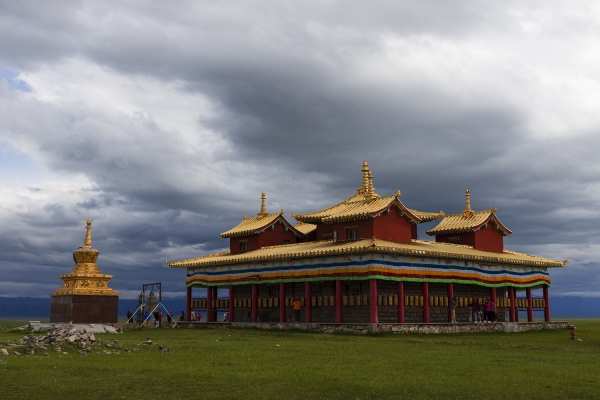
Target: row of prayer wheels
[(362, 300)]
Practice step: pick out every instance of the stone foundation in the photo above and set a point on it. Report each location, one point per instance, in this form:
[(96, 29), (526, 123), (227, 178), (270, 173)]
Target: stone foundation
[(361, 329)]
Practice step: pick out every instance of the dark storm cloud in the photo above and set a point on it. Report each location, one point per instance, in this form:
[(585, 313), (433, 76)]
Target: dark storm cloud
[(291, 98)]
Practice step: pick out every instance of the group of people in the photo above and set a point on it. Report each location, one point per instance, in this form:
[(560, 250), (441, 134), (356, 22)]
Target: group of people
[(488, 308)]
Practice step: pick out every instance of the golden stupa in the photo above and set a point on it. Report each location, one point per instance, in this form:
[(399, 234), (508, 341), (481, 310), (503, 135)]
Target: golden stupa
[(85, 296), (85, 278)]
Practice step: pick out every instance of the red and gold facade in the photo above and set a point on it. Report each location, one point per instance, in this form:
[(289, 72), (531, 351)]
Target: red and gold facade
[(360, 261)]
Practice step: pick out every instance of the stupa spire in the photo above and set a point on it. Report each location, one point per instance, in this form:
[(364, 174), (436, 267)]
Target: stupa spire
[(87, 242), (365, 178), (263, 206), (468, 210)]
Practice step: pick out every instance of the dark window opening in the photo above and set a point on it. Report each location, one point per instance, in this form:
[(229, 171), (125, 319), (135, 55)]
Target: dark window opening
[(352, 234)]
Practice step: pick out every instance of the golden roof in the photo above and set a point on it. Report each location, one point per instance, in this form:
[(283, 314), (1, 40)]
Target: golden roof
[(468, 221), (364, 204), (263, 220), (305, 228), (416, 248)]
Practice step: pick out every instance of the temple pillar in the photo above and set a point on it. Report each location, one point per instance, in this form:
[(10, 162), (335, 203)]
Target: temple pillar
[(281, 301), (425, 302), (546, 304), (450, 293), (493, 296), (400, 302), (231, 301), (307, 302), (529, 305), (254, 301), (188, 304), (338, 302), (511, 296), (209, 307), (373, 301), (216, 298)]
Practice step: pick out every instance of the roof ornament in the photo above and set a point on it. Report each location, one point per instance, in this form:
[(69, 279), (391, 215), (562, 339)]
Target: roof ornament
[(282, 211), (468, 212), (398, 193), (263, 207), (371, 188), (365, 179), (87, 242)]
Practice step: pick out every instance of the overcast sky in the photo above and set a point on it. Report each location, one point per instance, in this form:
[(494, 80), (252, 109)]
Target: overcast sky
[(164, 121)]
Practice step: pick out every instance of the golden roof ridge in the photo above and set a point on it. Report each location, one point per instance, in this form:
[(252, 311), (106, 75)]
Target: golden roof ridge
[(416, 247)]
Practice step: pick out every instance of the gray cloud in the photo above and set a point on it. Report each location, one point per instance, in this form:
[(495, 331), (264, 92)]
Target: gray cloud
[(163, 124)]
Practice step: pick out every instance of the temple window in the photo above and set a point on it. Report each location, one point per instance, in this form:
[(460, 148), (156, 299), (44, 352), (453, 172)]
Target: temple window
[(352, 234), (244, 246), (454, 239)]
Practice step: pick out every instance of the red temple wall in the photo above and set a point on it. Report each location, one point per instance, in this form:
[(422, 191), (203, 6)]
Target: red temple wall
[(365, 228), (270, 237), (323, 230), (276, 236), (489, 239), (393, 227), (467, 238)]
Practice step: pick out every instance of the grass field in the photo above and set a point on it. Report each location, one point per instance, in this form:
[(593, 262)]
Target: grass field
[(250, 364)]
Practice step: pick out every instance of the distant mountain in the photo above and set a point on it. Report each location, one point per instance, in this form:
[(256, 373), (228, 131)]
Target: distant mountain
[(572, 307), (29, 307)]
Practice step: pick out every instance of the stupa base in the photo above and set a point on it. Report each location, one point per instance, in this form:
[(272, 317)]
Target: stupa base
[(84, 309)]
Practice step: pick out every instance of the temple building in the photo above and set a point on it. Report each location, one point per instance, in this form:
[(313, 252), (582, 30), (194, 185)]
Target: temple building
[(361, 261), (85, 296)]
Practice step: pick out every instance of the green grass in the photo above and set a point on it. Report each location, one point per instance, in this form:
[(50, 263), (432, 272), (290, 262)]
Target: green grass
[(253, 364)]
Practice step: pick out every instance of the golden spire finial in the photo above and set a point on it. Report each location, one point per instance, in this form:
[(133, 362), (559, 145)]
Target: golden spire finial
[(87, 242), (468, 210), (263, 207), (398, 193), (365, 178), (371, 188)]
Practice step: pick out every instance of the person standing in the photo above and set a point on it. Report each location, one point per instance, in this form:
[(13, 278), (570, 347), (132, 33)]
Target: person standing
[(129, 315), (297, 307), (487, 310), (476, 311), (453, 303)]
